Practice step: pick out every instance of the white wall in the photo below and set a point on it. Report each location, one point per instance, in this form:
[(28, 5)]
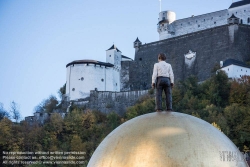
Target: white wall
[(242, 12), (205, 21), (92, 78), (234, 71), (114, 57)]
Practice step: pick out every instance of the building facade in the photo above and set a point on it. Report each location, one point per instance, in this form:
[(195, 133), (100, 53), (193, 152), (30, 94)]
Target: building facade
[(169, 27), (86, 75), (235, 69)]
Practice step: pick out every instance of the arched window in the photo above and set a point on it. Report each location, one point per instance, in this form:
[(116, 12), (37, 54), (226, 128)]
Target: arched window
[(241, 21), (248, 20)]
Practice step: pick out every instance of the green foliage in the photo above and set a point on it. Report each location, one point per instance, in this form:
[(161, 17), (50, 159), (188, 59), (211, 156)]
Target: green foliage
[(238, 120), (113, 120), (240, 91), (147, 105)]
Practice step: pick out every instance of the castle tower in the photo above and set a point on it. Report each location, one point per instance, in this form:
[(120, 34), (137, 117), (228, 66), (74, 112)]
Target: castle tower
[(114, 56), (165, 27), (137, 44)]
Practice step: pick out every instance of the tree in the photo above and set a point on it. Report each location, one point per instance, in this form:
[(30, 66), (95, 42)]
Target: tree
[(219, 89), (238, 120), (76, 144), (14, 110), (3, 112), (47, 105), (240, 91), (62, 91)]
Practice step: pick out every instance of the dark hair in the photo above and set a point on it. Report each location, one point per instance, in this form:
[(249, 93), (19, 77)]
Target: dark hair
[(162, 56)]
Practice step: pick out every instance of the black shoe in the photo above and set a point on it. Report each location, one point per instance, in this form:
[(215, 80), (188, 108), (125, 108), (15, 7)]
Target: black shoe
[(169, 110)]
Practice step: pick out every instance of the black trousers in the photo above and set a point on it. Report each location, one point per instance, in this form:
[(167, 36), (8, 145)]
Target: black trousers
[(163, 84)]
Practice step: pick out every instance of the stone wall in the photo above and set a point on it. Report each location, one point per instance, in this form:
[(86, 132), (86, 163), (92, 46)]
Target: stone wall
[(107, 102), (211, 46)]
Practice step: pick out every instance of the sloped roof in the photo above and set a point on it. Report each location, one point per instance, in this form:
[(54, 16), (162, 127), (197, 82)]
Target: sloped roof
[(229, 62), (90, 62), (126, 57), (137, 40), (233, 17), (114, 47), (239, 3)]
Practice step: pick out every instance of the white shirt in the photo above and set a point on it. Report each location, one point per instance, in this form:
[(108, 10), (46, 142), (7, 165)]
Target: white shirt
[(163, 69)]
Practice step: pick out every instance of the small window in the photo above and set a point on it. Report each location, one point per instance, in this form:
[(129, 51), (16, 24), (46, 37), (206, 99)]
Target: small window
[(241, 21), (73, 89), (198, 25), (248, 20), (102, 79), (244, 10), (212, 18), (228, 69), (196, 21), (140, 59), (116, 84), (215, 22), (82, 79), (236, 12), (109, 55), (241, 69), (204, 19)]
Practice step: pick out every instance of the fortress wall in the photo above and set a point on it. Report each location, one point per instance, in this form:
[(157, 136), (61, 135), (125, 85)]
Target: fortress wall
[(124, 75), (211, 47), (107, 102), (201, 22), (206, 21)]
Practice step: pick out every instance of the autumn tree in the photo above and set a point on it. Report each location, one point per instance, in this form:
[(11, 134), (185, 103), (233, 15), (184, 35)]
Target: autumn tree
[(240, 91)]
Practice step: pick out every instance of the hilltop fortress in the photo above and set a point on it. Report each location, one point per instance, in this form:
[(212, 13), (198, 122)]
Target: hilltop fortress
[(193, 46)]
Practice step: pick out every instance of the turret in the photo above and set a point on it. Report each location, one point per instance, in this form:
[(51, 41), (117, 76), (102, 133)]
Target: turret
[(137, 44), (233, 20), (113, 56), (165, 27)]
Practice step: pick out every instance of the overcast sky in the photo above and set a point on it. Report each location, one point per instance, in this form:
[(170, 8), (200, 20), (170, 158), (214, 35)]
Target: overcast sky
[(39, 37)]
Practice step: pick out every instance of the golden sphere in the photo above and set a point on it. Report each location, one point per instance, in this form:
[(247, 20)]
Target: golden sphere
[(166, 139)]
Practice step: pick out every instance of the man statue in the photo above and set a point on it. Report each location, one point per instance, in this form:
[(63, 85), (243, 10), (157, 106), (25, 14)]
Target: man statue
[(163, 80)]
